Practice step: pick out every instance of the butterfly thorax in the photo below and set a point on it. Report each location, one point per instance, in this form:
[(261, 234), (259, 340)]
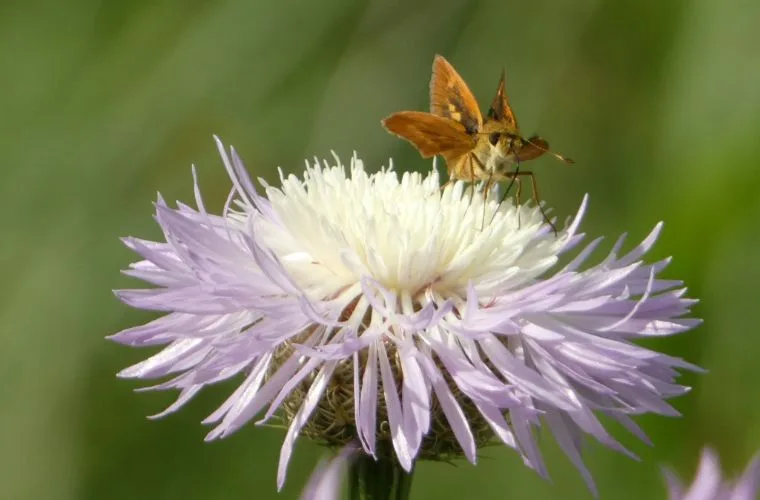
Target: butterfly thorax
[(498, 149)]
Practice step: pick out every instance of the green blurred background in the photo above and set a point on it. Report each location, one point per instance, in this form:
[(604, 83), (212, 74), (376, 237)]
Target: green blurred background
[(102, 105)]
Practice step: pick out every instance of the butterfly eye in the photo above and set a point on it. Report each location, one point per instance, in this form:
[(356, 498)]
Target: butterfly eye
[(494, 138)]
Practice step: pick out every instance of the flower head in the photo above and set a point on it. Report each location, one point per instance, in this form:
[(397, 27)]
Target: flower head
[(709, 485), (365, 307)]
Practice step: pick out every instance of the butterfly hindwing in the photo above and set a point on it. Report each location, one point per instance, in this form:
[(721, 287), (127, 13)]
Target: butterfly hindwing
[(533, 148)]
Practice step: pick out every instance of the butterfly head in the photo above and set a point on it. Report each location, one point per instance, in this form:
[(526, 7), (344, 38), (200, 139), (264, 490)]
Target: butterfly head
[(501, 140)]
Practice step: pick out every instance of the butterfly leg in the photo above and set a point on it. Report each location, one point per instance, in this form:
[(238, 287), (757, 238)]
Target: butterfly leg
[(518, 190), (482, 168), (486, 191), (473, 159), (537, 200), (488, 187), (534, 195), (518, 195), (514, 177)]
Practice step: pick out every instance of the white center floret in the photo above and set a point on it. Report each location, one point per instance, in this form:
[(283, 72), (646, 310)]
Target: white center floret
[(407, 234)]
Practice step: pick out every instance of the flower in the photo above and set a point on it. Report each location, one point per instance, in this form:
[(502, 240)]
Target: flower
[(708, 485), (367, 307)]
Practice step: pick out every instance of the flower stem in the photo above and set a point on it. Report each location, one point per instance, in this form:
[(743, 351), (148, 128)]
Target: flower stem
[(381, 479)]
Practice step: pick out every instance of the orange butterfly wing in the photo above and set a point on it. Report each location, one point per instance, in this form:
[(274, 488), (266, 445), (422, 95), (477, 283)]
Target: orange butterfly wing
[(430, 134), (537, 146), (533, 148), (500, 109), (451, 98)]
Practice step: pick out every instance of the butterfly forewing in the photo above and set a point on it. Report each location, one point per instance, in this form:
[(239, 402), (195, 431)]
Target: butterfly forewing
[(451, 98), (430, 134), (501, 111)]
